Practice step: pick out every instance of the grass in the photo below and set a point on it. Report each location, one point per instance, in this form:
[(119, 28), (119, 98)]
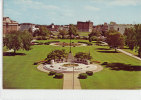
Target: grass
[(20, 73), (134, 52), (5, 49), (111, 79), (83, 33)]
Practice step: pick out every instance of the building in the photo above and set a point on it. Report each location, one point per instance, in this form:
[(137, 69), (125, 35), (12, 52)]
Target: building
[(119, 27), (27, 26), (53, 28), (101, 28), (85, 26), (9, 25)]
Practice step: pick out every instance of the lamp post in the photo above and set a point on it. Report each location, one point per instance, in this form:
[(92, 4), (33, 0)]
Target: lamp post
[(73, 77), (70, 42), (71, 61)]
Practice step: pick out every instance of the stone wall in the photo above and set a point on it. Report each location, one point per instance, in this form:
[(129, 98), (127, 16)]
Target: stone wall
[(119, 27)]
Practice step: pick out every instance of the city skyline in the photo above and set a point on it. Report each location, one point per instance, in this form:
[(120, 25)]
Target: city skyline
[(69, 12)]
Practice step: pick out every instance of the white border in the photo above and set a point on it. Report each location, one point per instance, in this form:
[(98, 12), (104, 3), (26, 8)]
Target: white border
[(62, 94)]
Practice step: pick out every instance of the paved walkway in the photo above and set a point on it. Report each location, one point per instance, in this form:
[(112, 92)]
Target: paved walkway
[(10, 50), (68, 77), (129, 54), (68, 81)]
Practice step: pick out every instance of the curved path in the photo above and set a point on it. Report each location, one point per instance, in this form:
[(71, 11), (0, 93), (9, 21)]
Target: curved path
[(68, 82), (82, 44), (129, 54)]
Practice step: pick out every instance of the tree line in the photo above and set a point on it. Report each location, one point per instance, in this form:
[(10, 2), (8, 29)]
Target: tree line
[(133, 38)]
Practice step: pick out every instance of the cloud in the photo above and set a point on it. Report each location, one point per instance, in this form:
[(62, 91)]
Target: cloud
[(35, 4), (118, 2), (11, 12), (125, 2), (92, 8)]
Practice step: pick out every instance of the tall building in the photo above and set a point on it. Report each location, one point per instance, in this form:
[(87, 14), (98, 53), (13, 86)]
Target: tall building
[(9, 25), (85, 26), (119, 27)]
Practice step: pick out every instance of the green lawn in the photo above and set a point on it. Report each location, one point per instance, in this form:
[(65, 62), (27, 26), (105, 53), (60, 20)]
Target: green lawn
[(134, 52), (5, 49), (20, 73), (83, 33), (111, 79)]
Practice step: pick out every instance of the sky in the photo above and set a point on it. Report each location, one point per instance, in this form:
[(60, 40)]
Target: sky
[(62, 12)]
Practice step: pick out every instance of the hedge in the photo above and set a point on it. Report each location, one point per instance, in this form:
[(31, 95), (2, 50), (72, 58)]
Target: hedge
[(51, 73), (82, 76), (59, 75), (90, 73)]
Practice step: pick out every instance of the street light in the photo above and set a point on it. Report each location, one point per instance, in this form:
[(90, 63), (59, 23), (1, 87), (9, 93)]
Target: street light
[(73, 77)]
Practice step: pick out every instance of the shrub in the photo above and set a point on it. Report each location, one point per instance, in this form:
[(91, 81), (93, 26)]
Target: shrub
[(90, 73), (82, 76), (40, 43), (44, 38), (39, 38), (59, 75), (35, 42), (35, 63), (51, 73), (104, 63)]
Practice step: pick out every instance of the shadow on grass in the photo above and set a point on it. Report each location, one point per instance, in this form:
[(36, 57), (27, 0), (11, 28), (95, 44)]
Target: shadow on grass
[(103, 49), (12, 54), (122, 66), (108, 52)]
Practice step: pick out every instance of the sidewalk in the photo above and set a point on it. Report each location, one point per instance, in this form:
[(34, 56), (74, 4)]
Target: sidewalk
[(129, 54), (68, 78), (68, 81)]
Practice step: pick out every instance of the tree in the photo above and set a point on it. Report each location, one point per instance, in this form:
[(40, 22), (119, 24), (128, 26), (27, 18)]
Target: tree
[(115, 40), (133, 38), (138, 38), (83, 55), (94, 34), (30, 30), (56, 54), (62, 33), (18, 40), (36, 33), (72, 31), (110, 31), (130, 38), (26, 40), (44, 31)]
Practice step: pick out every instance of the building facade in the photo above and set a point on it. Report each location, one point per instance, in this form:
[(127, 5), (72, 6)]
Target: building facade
[(119, 27), (27, 26), (9, 25), (85, 26)]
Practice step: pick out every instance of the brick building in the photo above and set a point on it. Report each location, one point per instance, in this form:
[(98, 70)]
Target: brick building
[(85, 26), (9, 25)]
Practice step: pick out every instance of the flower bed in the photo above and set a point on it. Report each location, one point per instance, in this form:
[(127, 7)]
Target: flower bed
[(68, 44), (70, 65)]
